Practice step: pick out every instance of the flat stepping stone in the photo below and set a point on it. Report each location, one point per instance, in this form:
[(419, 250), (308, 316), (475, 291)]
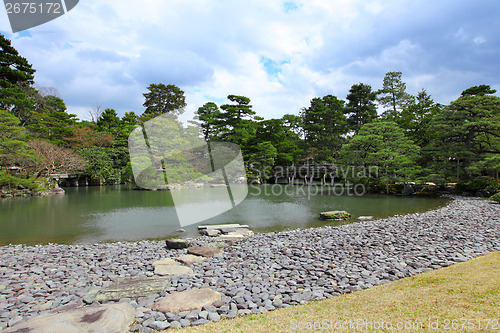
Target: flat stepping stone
[(335, 215), (173, 270), (365, 218), (222, 226), (188, 300), (130, 287), (189, 259), (166, 261), (204, 251), (108, 318)]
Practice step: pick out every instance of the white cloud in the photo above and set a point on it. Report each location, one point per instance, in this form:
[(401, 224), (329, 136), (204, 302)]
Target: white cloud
[(109, 52)]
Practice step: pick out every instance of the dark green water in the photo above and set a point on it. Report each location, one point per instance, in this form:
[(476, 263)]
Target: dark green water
[(113, 213)]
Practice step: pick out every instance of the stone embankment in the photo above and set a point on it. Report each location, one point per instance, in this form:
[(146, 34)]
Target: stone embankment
[(259, 274)]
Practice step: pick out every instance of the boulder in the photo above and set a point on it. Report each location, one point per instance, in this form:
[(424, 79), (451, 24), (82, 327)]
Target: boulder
[(335, 215), (177, 243), (188, 300), (189, 259), (204, 251), (109, 318)]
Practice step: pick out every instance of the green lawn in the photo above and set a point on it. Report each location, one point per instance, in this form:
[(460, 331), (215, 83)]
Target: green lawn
[(458, 298)]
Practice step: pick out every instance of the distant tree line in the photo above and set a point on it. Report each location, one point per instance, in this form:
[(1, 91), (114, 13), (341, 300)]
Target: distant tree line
[(413, 139)]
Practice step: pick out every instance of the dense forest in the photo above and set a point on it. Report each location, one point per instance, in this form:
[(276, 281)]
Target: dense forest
[(408, 138)]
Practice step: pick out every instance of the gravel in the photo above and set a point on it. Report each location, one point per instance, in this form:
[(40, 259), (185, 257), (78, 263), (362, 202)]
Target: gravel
[(263, 273)]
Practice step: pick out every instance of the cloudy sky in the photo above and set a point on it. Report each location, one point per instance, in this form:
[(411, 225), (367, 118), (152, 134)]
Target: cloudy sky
[(278, 53)]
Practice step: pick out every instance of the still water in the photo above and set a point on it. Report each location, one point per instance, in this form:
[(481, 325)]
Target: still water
[(113, 213)]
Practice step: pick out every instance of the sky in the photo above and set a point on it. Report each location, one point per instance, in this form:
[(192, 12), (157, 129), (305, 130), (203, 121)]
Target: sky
[(280, 54)]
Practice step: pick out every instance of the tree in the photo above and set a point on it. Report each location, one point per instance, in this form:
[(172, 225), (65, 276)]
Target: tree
[(52, 122), (324, 124), (281, 136), (236, 123), (52, 159), (384, 145), (361, 108), (109, 122), (13, 146), (478, 91), (163, 99), (466, 131), (416, 118), (208, 116), (394, 96), (99, 163), (262, 160), (16, 77)]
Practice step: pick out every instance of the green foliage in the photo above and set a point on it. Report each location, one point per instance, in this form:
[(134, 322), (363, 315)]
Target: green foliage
[(16, 77), (361, 108), (473, 185), (478, 91), (416, 116), (208, 116), (384, 145), (162, 99), (52, 122), (394, 96), (324, 123), (466, 133), (495, 197), (33, 184), (262, 160), (13, 146), (99, 162)]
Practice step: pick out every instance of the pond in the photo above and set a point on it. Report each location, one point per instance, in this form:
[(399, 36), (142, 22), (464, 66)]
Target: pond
[(117, 213)]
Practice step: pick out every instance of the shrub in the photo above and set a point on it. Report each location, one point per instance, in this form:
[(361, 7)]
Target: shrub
[(495, 197), (33, 184), (473, 185)]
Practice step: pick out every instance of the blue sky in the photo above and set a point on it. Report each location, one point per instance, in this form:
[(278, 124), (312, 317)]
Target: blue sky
[(278, 53)]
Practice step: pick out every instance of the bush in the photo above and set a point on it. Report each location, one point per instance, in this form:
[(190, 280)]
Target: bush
[(33, 184), (473, 185), (495, 197)]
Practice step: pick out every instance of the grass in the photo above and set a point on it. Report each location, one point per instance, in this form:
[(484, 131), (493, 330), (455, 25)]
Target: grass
[(458, 298)]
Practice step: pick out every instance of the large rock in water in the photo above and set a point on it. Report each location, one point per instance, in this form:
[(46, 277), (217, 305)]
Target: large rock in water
[(109, 318), (335, 215), (188, 300)]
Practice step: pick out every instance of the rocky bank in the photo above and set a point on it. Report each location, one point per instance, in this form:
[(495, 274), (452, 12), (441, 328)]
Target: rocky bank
[(260, 274)]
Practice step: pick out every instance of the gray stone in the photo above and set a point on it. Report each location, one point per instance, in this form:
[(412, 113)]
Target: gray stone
[(213, 316), (184, 322), (132, 287), (177, 243), (159, 325), (189, 259), (188, 300), (210, 232), (173, 270), (204, 251), (104, 318), (175, 324)]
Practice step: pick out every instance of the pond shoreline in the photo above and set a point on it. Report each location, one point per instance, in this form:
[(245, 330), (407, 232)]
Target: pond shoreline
[(268, 271)]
